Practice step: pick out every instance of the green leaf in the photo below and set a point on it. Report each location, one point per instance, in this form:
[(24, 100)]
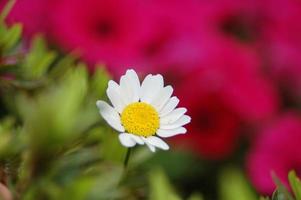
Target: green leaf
[(279, 195), (50, 118), (38, 60), (11, 141), (11, 37), (295, 184), (62, 66), (234, 186), (160, 188), (281, 192)]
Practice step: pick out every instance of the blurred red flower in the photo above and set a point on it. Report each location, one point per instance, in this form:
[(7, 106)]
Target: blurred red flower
[(275, 150), (33, 14), (146, 34), (105, 31), (223, 91), (150, 35), (281, 43), (173, 41), (270, 27)]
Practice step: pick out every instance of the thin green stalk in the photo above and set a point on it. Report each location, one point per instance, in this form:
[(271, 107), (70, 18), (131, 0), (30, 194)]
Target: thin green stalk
[(9, 5), (125, 165), (127, 158)]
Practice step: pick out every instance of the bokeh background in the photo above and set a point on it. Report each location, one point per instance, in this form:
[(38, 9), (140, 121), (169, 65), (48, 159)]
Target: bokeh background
[(236, 66)]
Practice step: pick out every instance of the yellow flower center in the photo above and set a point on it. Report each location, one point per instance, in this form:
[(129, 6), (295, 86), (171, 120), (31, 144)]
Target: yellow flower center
[(140, 119)]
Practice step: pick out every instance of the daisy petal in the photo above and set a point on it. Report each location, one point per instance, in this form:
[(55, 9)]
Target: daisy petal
[(162, 97), (180, 122), (126, 140), (156, 142), (150, 87), (134, 83), (171, 132), (110, 115), (114, 96), (173, 116), (151, 147), (137, 139), (145, 87), (125, 90), (169, 106), (158, 80)]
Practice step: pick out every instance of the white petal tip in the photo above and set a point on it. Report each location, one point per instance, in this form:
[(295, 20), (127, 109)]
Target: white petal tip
[(111, 83), (171, 132), (153, 150), (189, 118), (156, 142), (184, 130), (126, 140), (185, 110), (99, 104), (130, 70), (169, 87), (165, 148)]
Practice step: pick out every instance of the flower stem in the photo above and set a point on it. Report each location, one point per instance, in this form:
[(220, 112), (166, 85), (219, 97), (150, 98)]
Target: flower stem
[(127, 158), (125, 165)]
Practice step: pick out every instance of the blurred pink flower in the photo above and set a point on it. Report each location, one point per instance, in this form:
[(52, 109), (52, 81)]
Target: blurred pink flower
[(34, 14), (270, 27), (173, 41), (281, 42), (150, 34), (225, 91), (237, 21), (214, 130), (147, 34), (275, 150), (105, 31)]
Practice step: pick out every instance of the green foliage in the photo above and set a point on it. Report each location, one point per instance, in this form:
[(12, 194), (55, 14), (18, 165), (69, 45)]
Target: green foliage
[(38, 60), (282, 193), (160, 187), (10, 36), (54, 145), (234, 186), (295, 184)]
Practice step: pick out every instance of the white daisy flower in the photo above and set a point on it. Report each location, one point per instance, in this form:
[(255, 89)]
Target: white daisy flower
[(143, 113)]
